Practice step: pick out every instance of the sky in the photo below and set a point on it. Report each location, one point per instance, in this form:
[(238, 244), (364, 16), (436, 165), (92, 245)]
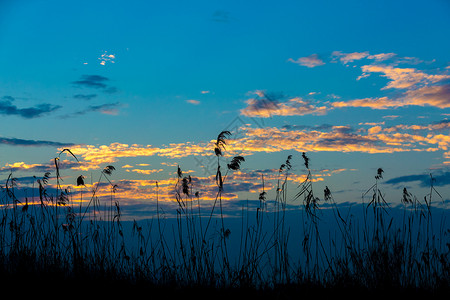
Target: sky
[(147, 86)]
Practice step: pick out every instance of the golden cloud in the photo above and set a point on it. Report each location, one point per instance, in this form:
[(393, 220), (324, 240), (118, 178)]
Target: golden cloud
[(376, 139), (402, 78)]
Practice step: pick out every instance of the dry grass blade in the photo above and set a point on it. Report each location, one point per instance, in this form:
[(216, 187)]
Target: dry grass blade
[(67, 150)]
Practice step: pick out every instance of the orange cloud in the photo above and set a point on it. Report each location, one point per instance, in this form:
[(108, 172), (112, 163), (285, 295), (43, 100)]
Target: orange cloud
[(104, 154), (402, 78), (308, 61), (192, 101), (436, 96), (374, 103), (377, 138), (349, 57)]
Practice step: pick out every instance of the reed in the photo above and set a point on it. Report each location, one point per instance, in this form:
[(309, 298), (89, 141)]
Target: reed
[(60, 234)]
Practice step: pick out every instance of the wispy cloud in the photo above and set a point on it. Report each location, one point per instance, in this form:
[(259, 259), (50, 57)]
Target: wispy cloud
[(9, 109), (107, 109), (308, 61), (382, 56), (345, 58), (391, 58), (31, 143), (192, 101)]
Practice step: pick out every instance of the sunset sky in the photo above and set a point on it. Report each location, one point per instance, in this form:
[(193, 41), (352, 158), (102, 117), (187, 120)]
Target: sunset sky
[(146, 86)]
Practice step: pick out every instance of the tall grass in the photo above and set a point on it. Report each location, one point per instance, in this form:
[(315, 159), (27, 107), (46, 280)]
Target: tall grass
[(83, 236)]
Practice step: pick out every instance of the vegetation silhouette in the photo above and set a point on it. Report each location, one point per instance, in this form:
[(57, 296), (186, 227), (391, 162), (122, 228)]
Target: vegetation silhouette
[(54, 238)]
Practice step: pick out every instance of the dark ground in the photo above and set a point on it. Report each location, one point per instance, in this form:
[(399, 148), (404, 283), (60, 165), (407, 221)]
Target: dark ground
[(55, 284)]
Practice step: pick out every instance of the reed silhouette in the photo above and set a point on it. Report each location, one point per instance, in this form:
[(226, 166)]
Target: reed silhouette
[(59, 238)]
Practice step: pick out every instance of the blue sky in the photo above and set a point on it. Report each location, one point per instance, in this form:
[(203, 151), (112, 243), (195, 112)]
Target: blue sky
[(147, 85)]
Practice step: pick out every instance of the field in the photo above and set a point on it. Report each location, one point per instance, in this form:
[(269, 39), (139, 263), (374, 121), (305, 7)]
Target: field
[(273, 250)]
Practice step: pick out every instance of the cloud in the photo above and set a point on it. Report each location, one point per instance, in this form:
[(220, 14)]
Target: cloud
[(343, 139), (41, 168), (382, 56), (107, 58), (436, 96), (447, 158), (345, 58), (375, 103), (195, 102), (107, 109), (339, 138), (417, 88), (106, 154), (31, 143), (440, 179), (266, 105), (145, 172), (92, 81), (95, 82), (308, 61), (402, 78), (8, 108), (84, 97), (369, 138)]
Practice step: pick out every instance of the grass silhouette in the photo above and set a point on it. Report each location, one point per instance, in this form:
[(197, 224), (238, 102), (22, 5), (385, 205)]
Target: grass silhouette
[(54, 239)]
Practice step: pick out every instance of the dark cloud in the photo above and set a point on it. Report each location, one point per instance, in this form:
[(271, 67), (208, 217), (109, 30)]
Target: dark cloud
[(96, 82), (31, 143), (92, 81), (424, 180), (84, 97), (8, 108), (38, 168), (107, 108)]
